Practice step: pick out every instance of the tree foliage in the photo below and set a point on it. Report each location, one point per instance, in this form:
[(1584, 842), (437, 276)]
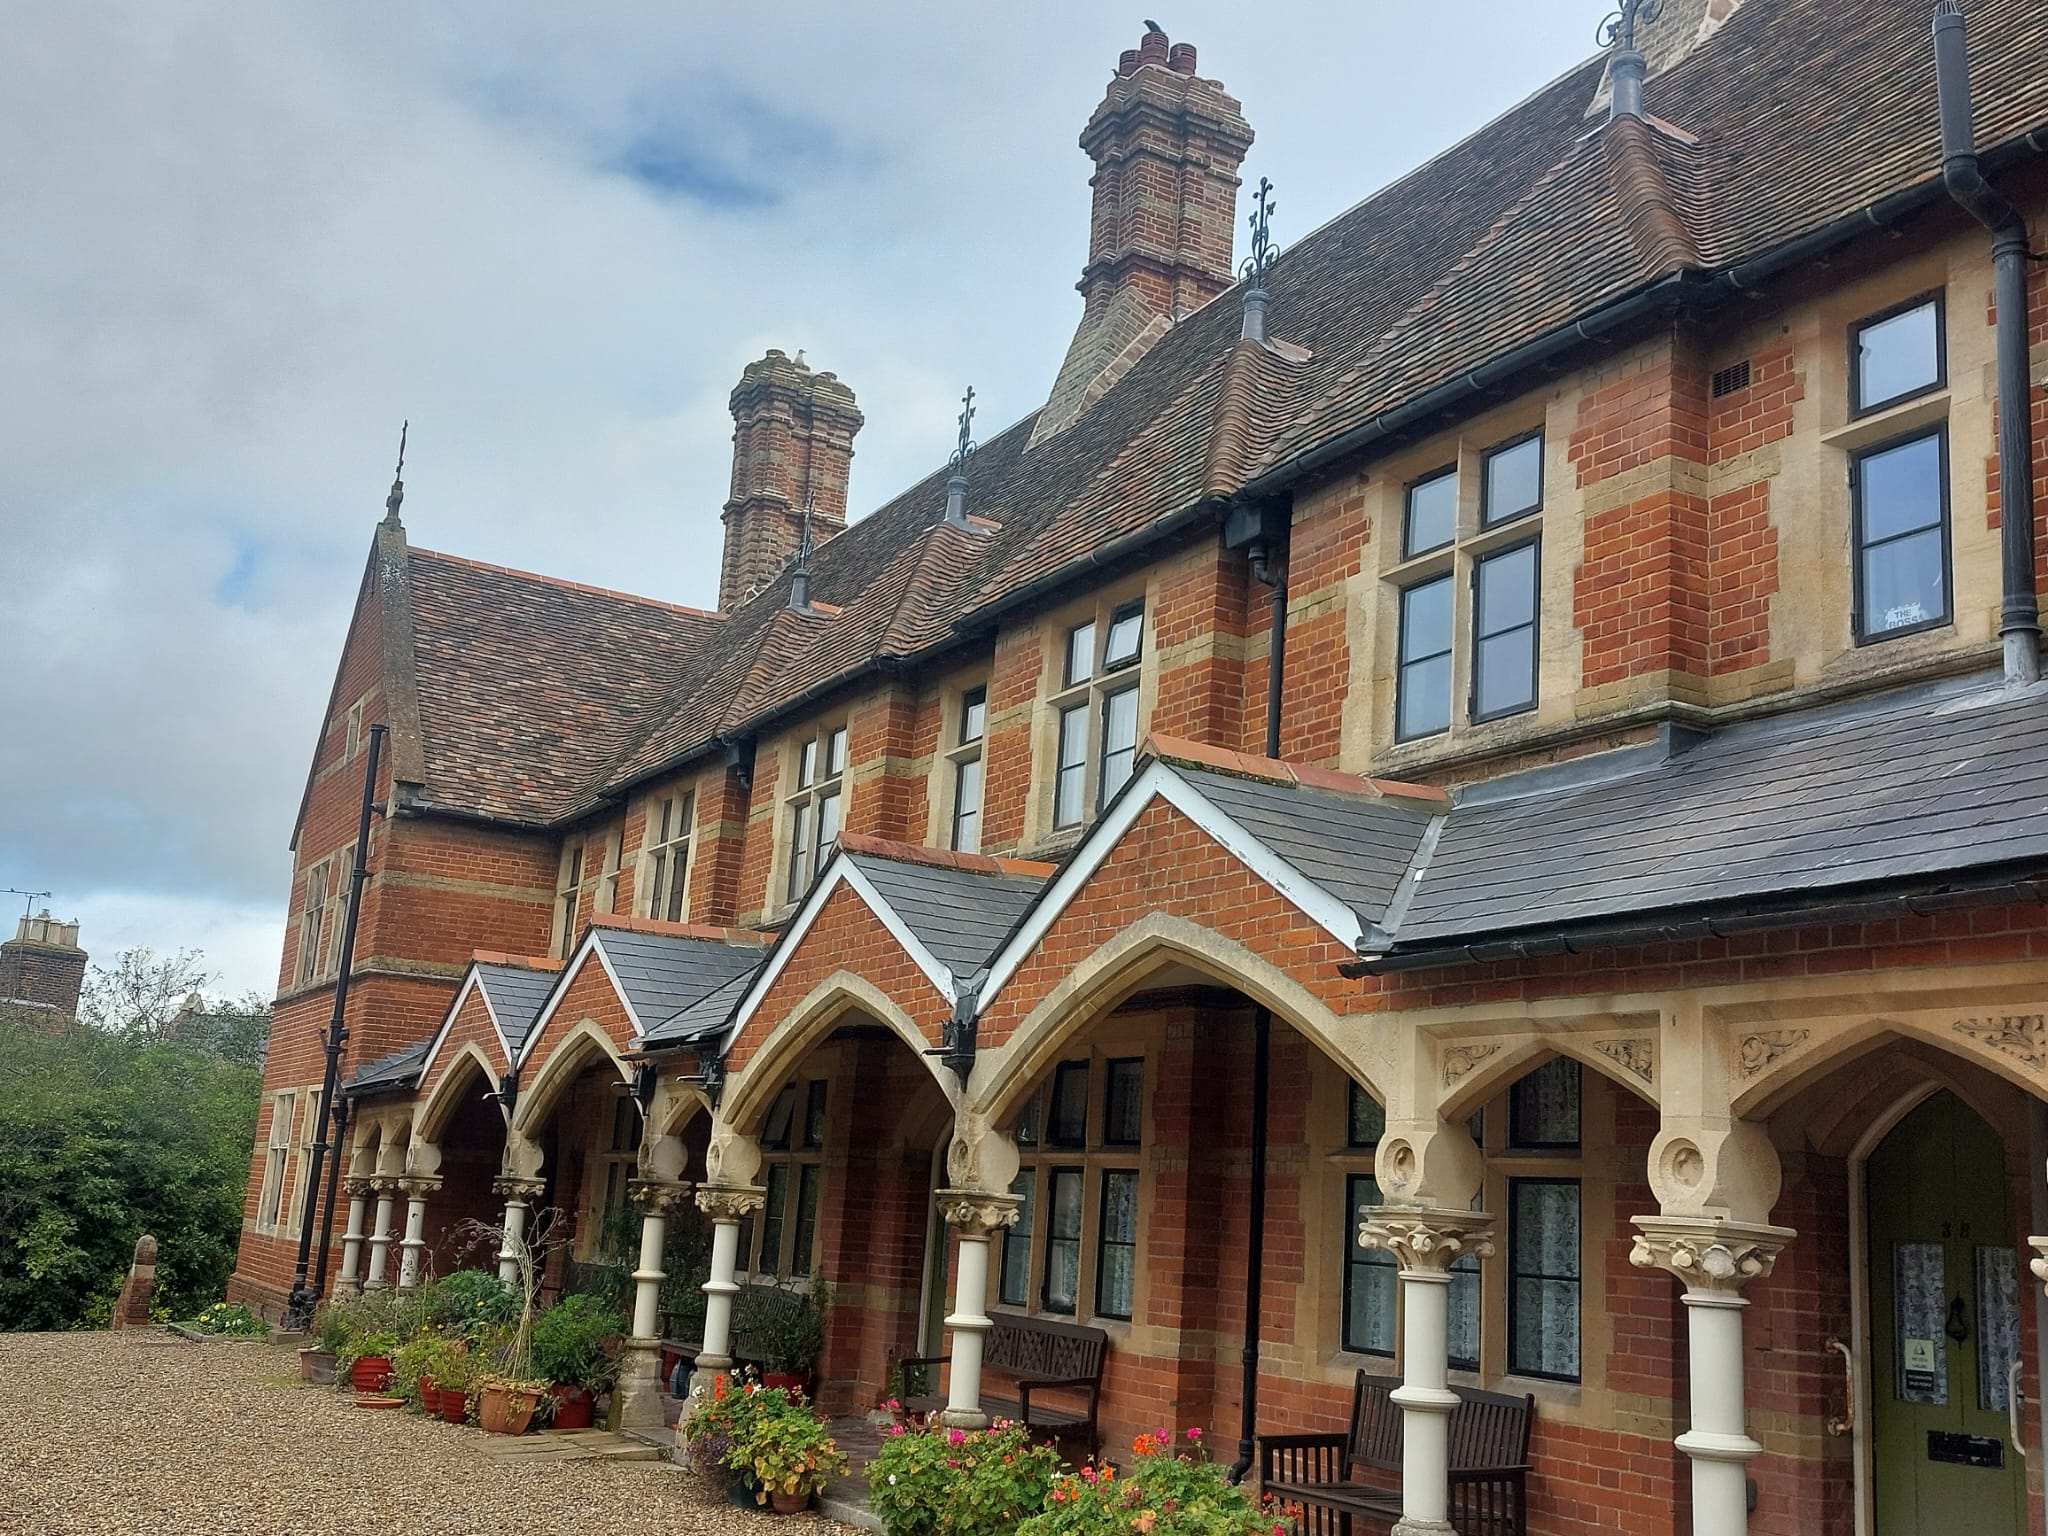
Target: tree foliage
[(107, 1134), (162, 999)]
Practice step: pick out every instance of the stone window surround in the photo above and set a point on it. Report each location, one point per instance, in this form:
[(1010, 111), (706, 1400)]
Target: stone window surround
[(1054, 694), (316, 897), (826, 785), (276, 1161), (308, 1133), (654, 873)]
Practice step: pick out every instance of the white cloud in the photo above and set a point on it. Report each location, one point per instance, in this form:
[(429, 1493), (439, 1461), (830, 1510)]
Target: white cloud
[(245, 239)]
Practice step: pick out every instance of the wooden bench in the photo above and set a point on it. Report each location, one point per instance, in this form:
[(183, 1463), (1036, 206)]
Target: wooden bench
[(679, 1349), (1045, 1356), (1489, 1456)]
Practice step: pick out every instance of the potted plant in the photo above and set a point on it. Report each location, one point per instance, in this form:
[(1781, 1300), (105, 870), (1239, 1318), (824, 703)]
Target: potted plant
[(784, 1327), (716, 1420), (368, 1358), (317, 1360), (789, 1453), (412, 1372), (574, 1349), (511, 1395), (453, 1374)]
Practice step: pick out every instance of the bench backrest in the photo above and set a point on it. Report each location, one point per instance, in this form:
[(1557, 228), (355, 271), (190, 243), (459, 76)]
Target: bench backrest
[(1042, 1349), (1487, 1429)]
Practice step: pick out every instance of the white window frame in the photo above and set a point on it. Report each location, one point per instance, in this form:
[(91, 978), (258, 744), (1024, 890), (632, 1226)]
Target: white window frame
[(276, 1160), (818, 766), (671, 828), (1085, 692), (309, 1133), (316, 894)]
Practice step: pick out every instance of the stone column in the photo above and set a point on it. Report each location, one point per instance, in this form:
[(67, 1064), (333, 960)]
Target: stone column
[(386, 1186), (350, 1280), (416, 1188), (640, 1354), (518, 1195), (1715, 1258), (727, 1206), (1427, 1241), (976, 1215), (131, 1310)]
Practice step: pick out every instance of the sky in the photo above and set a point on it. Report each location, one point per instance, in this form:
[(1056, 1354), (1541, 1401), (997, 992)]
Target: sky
[(246, 240)]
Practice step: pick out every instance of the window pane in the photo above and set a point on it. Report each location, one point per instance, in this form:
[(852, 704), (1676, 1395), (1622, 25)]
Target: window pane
[(1119, 742), (1069, 1118), (805, 1236), (1069, 789), (807, 765), (1026, 1128), (1432, 513), (828, 826), (967, 806), (799, 849), (1123, 1104), (1063, 1242), (1904, 584), (973, 715), (1504, 657), (1543, 1108), (1901, 489), (836, 758), (1507, 590), (1117, 1251), (1371, 1276), (1463, 1331), (1514, 481), (1425, 683), (775, 1130), (1543, 1282), (1367, 1121), (1899, 356), (814, 1114), (771, 1218), (1081, 653), (1126, 634), (1505, 673), (677, 867), (1015, 1287)]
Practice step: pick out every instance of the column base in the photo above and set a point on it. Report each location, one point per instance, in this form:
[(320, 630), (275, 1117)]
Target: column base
[(639, 1385), (1406, 1527), (958, 1418), (705, 1372)]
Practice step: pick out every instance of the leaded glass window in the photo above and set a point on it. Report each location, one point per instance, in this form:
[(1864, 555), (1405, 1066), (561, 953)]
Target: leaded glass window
[(1543, 1278), (1116, 1258)]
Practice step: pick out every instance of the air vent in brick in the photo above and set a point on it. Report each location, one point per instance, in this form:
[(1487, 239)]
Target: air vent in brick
[(1730, 380)]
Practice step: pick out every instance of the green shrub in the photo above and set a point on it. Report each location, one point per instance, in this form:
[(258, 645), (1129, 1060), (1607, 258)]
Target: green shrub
[(471, 1303), (233, 1319), (962, 1482), (1162, 1493), (786, 1449), (572, 1343)]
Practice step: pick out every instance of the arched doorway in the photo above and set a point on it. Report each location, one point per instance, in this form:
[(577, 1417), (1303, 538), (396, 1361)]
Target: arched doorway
[(1945, 1293)]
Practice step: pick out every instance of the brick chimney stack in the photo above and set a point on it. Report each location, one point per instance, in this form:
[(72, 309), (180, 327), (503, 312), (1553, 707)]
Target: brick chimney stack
[(792, 447), (42, 965), (1167, 145)]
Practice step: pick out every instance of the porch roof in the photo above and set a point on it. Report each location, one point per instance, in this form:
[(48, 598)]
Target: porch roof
[(1913, 789), (515, 996), (388, 1074), (960, 915)]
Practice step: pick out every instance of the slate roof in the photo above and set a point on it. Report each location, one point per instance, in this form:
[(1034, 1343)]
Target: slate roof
[(663, 973), (515, 995), (702, 1019), (1922, 786), (388, 1074), (538, 699), (960, 915)]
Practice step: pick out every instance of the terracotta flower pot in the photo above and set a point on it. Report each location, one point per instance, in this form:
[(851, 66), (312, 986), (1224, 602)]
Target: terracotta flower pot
[(793, 1381), (789, 1503), (454, 1406), (372, 1373), (575, 1407), (506, 1412)]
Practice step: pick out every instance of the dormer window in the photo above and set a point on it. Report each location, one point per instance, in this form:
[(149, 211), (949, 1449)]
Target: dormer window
[(1097, 735), (813, 811)]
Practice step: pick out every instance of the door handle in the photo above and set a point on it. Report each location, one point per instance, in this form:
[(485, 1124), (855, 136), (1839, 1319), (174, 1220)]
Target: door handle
[(1847, 1421), (2014, 1397)]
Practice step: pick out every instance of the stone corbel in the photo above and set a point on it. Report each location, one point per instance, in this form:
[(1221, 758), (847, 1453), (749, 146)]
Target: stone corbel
[(978, 1213), (1427, 1240), (1712, 1256), (729, 1202)]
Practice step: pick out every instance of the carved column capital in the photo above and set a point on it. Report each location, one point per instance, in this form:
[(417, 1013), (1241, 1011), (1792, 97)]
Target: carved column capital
[(523, 1190), (418, 1186), (1713, 1256), (659, 1197), (384, 1184), (359, 1189), (979, 1212), (1426, 1240), (2039, 1263), (730, 1202)]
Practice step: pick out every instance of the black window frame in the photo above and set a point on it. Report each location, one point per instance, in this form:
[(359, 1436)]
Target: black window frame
[(1516, 1274), (1069, 678), (1358, 1091), (963, 769), (1134, 609), (1409, 549), (1487, 521), (803, 1219), (1129, 1067), (1534, 544), (1061, 768), (1103, 1242), (1357, 1256), (1521, 1141), (1858, 407), (1025, 1187), (1111, 697), (1403, 661), (1858, 616), (1049, 1128), (1053, 1175)]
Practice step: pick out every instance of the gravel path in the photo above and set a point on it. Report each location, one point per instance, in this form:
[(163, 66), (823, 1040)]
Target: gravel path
[(121, 1434)]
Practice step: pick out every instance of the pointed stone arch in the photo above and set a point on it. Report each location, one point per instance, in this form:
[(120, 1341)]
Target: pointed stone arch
[(1771, 1062), (1119, 968), (751, 1089), (1472, 1069), (584, 1045), (466, 1066)]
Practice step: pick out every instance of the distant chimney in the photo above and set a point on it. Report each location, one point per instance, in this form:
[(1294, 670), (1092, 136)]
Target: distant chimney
[(792, 447), (42, 966), (1166, 145)]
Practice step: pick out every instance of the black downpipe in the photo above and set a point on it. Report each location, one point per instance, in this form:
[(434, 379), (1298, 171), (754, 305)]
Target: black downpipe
[(298, 1313), (1268, 570), (2019, 623)]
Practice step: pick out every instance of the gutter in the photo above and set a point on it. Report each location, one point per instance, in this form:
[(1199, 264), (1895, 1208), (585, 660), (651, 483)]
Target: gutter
[(2025, 884)]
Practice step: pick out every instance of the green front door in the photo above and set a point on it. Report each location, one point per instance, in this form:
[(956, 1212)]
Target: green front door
[(1944, 1324)]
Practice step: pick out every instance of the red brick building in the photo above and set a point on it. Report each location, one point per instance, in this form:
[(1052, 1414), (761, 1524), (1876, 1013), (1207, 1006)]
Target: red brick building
[(1537, 680)]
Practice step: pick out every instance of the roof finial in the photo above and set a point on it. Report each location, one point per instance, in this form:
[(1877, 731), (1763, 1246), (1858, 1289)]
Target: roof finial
[(1259, 263), (397, 497), (1626, 70), (956, 485)]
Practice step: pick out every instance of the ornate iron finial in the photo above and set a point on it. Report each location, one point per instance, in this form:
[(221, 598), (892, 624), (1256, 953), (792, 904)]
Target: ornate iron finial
[(397, 497), (1261, 259), (710, 1079), (804, 542), (1618, 28), (967, 442)]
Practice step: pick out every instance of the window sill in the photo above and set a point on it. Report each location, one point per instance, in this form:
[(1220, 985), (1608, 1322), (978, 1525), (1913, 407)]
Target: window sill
[(1889, 422)]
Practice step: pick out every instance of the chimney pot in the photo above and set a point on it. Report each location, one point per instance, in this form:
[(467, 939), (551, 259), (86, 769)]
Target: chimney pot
[(1182, 60), (1153, 49), (1127, 62)]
